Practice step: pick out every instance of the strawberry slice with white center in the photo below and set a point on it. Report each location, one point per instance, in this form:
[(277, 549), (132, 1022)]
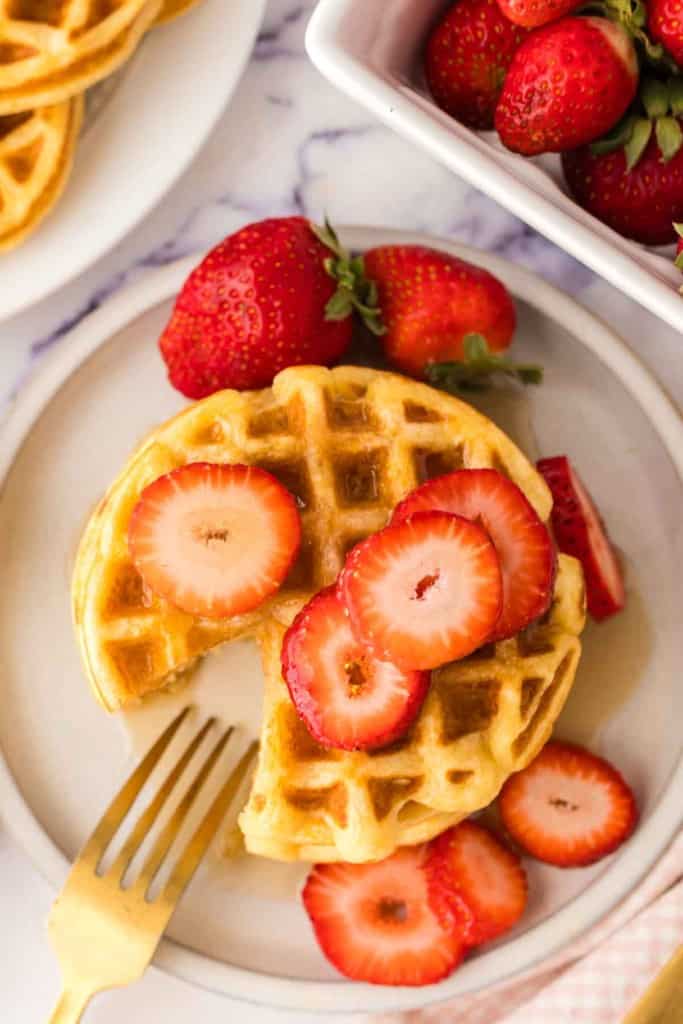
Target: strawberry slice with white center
[(374, 922), (477, 886), (523, 543), (424, 591), (568, 807), (214, 540), (580, 532), (346, 696)]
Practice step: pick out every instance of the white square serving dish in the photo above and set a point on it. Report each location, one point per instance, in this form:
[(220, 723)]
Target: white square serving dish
[(371, 49)]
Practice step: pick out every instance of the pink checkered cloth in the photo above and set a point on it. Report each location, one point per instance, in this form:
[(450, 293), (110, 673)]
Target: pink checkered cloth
[(598, 978)]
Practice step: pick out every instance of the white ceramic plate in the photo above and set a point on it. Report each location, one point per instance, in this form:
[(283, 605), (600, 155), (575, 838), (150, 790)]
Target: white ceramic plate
[(240, 929), (371, 49), (156, 114)]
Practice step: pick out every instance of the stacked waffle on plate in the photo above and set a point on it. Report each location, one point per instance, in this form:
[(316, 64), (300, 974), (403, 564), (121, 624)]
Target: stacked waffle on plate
[(349, 444), (36, 149), (50, 53)]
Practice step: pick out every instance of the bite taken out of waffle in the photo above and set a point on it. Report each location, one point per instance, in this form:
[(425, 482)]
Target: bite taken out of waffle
[(348, 444)]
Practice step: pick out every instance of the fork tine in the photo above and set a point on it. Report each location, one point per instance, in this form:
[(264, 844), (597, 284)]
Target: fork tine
[(153, 809), (163, 844), (111, 820), (199, 843)]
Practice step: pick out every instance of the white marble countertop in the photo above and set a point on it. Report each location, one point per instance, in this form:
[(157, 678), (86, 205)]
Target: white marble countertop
[(287, 143)]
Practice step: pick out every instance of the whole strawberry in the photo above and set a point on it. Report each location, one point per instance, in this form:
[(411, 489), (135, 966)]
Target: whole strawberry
[(277, 293), (431, 301), (467, 57), (534, 13), (633, 181), (665, 25), (568, 84), (639, 204)]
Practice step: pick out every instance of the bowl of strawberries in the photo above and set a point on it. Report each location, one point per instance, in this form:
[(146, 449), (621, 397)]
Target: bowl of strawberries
[(568, 114)]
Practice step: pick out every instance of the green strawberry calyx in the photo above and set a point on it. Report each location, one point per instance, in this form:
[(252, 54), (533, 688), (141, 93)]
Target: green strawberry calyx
[(659, 109), (632, 16), (477, 368), (355, 292)]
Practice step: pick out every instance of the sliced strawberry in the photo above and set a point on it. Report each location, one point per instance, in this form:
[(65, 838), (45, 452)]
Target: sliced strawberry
[(568, 807), (424, 591), (374, 921), (214, 540), (347, 697), (477, 886), (524, 546), (580, 532)]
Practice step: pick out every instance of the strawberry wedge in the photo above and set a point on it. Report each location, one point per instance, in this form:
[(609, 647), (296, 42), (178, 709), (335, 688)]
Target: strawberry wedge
[(424, 591), (581, 532), (346, 697), (214, 540), (522, 542)]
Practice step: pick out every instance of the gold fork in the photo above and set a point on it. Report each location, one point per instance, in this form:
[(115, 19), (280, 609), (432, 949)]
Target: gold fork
[(662, 1003), (105, 935)]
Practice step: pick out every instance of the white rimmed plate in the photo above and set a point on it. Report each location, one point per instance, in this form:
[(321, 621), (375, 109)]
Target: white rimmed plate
[(240, 929), (151, 120)]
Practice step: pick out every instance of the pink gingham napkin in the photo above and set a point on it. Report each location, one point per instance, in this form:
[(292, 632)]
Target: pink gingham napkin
[(598, 978)]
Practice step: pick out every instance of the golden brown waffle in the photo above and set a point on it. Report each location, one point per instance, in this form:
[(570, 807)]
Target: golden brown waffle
[(36, 152), (51, 50), (484, 718), (349, 443)]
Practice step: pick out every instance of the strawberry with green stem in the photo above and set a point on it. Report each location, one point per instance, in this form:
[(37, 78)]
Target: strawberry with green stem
[(277, 293), (632, 179), (568, 84), (283, 292), (444, 319)]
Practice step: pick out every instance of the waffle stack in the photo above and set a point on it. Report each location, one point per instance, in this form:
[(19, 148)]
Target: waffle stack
[(51, 51), (349, 443)]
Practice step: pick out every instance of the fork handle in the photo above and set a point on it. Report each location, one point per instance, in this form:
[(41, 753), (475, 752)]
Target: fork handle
[(70, 1007)]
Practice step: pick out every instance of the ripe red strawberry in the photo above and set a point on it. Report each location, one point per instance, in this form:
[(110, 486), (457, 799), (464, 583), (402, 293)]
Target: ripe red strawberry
[(468, 54), (374, 922), (641, 203), (580, 532), (665, 26), (534, 13), (477, 886), (568, 84), (424, 591), (568, 807), (346, 697), (522, 542), (266, 298), (214, 540), (431, 301)]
